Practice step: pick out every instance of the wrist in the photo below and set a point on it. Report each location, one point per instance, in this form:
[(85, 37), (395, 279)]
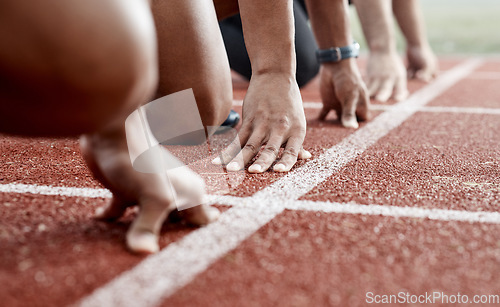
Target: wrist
[(337, 54), (382, 45), (286, 75)]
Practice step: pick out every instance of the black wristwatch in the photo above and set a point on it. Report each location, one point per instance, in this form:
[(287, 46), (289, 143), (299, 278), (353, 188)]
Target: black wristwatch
[(336, 54)]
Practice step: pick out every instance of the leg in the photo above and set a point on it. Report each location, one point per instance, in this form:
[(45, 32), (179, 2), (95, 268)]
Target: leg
[(305, 46), (63, 70), (81, 78), (232, 33), (192, 55)]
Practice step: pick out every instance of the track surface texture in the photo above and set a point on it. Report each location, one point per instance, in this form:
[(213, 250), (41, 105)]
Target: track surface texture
[(407, 205)]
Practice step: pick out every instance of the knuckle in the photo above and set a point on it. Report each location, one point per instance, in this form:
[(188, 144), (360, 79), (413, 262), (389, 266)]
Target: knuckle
[(271, 149), (251, 147), (293, 151), (225, 158)]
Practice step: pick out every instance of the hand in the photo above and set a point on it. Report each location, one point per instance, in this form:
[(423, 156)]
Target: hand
[(343, 90), (422, 63), (386, 76), (273, 116), (107, 156)]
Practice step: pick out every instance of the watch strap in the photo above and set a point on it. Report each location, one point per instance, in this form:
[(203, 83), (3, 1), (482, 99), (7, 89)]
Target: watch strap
[(336, 54)]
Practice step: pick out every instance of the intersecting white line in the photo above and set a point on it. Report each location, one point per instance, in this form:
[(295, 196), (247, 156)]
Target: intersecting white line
[(51, 190), (430, 109), (438, 109), (395, 211), (162, 274)]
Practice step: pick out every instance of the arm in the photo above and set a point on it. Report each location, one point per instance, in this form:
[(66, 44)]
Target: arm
[(341, 86), (385, 69), (422, 63), (272, 109)]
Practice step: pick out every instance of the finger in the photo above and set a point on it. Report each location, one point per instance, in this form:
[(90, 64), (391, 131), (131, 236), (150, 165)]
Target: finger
[(423, 75), (304, 154), (234, 148), (142, 236), (200, 215), (113, 211), (289, 157), (251, 148), (268, 155), (324, 112), (363, 107), (401, 90), (373, 86), (348, 117), (385, 90)]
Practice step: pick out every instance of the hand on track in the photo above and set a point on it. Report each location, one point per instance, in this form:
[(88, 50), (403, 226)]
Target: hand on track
[(386, 76), (343, 90), (273, 116), (107, 156), (422, 63)]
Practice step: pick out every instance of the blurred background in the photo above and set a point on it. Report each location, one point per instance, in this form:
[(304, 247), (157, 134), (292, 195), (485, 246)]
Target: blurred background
[(454, 26)]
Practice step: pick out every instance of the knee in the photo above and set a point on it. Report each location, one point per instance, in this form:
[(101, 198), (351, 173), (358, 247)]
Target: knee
[(123, 77), (214, 102), (93, 71)]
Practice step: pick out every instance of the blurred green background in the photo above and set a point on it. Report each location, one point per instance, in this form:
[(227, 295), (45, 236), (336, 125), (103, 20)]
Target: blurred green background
[(454, 26)]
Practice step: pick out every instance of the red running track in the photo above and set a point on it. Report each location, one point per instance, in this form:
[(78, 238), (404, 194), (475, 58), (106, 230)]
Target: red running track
[(410, 207)]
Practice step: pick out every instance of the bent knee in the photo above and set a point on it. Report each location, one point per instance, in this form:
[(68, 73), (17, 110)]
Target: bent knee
[(214, 104), (82, 76)]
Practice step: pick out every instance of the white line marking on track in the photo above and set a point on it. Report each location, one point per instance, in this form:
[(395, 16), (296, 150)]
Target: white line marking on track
[(394, 211), (438, 109), (430, 109), (485, 75), (51, 190), (161, 275)]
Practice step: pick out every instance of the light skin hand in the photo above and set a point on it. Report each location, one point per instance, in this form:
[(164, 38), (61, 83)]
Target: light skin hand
[(106, 154), (422, 63), (343, 90), (273, 116), (386, 76)]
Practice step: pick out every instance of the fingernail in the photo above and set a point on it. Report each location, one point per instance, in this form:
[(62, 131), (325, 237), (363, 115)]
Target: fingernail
[(306, 155), (233, 167), (217, 161), (255, 168), (279, 167)]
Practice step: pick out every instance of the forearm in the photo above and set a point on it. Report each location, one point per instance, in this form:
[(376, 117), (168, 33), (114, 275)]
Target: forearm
[(376, 21), (269, 35), (411, 21), (330, 22)]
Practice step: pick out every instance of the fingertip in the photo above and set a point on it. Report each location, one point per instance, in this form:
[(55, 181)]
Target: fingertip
[(217, 161), (382, 97), (280, 167), (324, 112), (304, 154), (142, 242), (233, 167), (350, 122), (99, 213), (402, 95), (213, 214), (201, 215), (255, 168)]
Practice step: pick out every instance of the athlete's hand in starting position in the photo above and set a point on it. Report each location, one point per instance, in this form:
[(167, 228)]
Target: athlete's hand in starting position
[(273, 115)]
